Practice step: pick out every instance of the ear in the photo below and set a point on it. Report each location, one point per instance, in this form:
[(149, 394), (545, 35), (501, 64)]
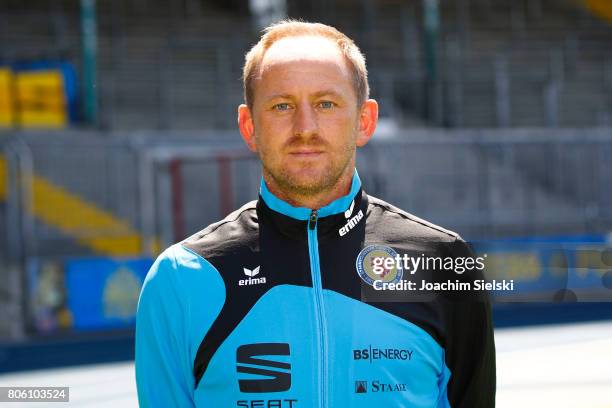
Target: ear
[(368, 118), (245, 124)]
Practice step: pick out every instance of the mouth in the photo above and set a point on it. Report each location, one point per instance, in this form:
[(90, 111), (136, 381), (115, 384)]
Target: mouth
[(306, 153)]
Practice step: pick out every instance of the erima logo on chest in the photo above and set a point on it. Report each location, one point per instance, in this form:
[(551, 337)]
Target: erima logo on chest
[(351, 221), (252, 280)]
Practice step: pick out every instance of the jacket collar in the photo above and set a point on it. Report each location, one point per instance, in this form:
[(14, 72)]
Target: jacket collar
[(302, 213)]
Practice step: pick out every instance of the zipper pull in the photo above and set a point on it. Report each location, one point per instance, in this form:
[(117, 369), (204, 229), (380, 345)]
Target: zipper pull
[(313, 220)]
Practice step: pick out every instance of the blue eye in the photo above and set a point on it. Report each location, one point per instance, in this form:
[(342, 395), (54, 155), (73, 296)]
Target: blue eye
[(326, 105), (281, 106)]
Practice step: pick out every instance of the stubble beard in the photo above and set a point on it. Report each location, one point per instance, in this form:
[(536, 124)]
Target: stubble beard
[(294, 184)]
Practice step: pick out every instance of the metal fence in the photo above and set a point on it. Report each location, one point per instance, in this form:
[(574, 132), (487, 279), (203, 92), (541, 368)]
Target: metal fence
[(95, 194), (484, 182)]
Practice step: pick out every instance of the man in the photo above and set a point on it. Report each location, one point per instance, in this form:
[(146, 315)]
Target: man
[(268, 307)]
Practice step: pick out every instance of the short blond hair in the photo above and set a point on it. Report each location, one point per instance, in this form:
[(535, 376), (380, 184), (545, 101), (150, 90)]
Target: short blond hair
[(294, 28)]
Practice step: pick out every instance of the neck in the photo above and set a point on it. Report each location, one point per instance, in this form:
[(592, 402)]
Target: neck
[(315, 200)]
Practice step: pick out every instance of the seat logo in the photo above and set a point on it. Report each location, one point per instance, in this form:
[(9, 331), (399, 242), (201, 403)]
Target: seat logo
[(274, 377), (252, 280)]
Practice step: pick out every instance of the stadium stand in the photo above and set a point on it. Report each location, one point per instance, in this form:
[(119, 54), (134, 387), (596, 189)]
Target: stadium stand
[(501, 63), (552, 56)]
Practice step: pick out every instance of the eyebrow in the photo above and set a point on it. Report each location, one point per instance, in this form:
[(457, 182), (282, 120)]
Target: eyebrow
[(318, 94), (279, 96), (326, 92)]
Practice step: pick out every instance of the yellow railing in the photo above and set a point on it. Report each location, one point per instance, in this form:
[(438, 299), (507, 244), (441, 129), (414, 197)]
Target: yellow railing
[(601, 8), (74, 216)]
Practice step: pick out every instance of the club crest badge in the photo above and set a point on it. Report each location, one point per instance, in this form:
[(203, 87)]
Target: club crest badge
[(371, 265)]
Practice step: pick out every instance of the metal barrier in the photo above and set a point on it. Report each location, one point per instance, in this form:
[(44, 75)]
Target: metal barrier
[(125, 196), (119, 186)]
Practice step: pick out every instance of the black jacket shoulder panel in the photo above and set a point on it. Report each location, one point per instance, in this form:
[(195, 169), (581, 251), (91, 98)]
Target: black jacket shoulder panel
[(238, 229), (385, 215)]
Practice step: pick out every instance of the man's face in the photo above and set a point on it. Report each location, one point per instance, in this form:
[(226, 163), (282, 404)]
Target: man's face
[(305, 115)]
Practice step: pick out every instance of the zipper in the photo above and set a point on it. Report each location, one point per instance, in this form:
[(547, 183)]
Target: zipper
[(315, 271), (313, 220)]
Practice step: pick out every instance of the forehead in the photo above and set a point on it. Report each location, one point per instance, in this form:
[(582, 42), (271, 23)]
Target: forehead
[(303, 48), (306, 53)]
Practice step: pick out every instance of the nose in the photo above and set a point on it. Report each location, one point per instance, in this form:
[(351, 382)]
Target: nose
[(305, 121)]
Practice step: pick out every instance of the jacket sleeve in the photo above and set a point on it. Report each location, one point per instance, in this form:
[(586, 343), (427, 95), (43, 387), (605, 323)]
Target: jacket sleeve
[(163, 369), (470, 351)]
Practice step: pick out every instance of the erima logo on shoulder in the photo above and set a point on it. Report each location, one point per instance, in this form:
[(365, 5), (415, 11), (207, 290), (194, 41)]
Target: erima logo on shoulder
[(348, 212), (352, 222), (274, 380), (252, 280)]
